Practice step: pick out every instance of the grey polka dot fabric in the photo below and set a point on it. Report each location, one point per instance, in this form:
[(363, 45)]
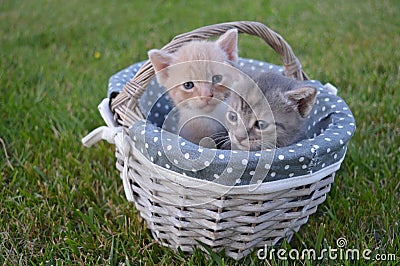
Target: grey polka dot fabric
[(330, 126)]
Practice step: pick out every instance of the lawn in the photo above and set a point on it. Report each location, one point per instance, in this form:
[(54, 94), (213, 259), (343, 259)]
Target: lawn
[(64, 204)]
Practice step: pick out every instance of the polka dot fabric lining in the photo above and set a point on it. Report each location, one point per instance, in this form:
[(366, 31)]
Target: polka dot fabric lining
[(329, 127)]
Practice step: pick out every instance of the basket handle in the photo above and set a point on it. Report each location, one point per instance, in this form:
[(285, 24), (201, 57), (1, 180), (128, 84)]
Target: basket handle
[(124, 106)]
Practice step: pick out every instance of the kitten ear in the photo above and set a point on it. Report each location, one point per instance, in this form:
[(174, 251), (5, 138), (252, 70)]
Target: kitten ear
[(160, 60), (304, 98), (229, 43)]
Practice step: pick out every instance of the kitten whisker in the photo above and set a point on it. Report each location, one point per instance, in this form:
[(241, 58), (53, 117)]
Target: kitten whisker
[(218, 134), (220, 138), (226, 145)]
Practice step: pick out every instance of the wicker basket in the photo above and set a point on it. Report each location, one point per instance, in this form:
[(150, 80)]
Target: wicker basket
[(180, 210)]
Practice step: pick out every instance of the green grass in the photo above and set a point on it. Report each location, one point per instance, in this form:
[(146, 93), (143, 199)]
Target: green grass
[(62, 204)]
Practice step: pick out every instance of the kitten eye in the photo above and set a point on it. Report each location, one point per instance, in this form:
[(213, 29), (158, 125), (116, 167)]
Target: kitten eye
[(216, 78), (232, 116), (188, 85), (261, 125)]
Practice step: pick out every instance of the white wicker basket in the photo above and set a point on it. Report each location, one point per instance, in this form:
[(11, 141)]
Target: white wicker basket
[(180, 210)]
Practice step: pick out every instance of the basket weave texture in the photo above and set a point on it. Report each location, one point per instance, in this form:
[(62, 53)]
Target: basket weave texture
[(181, 210)]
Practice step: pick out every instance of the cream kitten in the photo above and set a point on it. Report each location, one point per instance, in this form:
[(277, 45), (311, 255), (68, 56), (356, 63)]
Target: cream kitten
[(194, 76), (268, 117)]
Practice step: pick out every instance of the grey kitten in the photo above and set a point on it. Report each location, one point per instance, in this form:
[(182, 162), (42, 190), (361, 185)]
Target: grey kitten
[(267, 110)]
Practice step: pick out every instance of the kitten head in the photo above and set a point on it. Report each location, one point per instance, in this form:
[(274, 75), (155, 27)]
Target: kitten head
[(193, 74), (268, 112)]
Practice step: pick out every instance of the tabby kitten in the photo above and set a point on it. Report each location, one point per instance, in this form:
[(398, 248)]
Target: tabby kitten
[(268, 117), (193, 77)]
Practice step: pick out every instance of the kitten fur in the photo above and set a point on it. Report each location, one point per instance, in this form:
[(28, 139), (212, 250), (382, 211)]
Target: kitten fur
[(267, 111), (193, 77)]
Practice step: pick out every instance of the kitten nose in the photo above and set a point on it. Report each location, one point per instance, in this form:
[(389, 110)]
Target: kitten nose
[(240, 137), (206, 93)]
